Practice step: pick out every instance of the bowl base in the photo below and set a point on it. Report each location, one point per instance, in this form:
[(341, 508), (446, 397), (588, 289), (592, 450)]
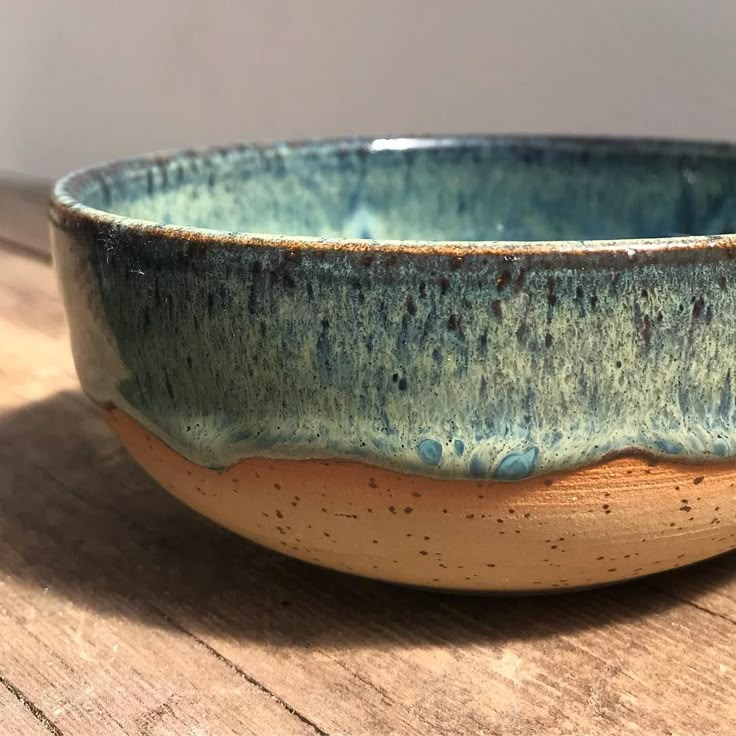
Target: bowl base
[(622, 519)]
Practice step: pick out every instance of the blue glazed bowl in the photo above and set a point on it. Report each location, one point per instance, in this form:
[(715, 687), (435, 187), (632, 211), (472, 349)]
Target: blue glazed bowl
[(483, 363)]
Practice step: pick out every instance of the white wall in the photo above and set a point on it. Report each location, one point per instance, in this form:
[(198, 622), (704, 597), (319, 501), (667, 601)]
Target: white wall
[(86, 80)]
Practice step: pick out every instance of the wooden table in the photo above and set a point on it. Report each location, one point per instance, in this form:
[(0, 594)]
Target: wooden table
[(123, 612)]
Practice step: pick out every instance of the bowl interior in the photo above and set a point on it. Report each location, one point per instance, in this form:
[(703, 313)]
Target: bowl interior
[(463, 189)]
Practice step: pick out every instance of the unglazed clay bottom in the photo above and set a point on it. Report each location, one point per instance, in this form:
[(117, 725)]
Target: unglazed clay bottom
[(603, 524)]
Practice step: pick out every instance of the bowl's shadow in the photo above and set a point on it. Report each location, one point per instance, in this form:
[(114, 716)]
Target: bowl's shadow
[(78, 517)]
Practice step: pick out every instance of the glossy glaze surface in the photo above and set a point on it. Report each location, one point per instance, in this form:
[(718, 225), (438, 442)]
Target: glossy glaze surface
[(461, 189), (454, 360)]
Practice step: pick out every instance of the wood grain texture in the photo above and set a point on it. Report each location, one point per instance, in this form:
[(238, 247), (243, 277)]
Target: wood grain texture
[(123, 612)]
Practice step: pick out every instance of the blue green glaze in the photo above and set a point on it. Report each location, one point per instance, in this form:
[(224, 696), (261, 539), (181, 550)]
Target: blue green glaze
[(448, 354)]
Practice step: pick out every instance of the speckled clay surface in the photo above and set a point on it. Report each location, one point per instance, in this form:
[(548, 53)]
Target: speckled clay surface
[(622, 519), (351, 302)]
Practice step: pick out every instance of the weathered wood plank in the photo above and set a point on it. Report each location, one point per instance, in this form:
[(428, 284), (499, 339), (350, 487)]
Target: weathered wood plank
[(87, 670), (93, 554), (117, 672)]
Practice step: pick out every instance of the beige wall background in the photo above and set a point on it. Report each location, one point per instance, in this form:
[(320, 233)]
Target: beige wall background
[(84, 81)]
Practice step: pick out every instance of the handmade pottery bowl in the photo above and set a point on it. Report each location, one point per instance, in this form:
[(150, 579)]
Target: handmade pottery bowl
[(473, 363)]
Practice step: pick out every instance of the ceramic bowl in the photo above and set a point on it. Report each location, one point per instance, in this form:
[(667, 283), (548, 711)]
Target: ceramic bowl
[(475, 363)]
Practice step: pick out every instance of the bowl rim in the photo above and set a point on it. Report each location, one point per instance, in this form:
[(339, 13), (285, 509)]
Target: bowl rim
[(68, 209)]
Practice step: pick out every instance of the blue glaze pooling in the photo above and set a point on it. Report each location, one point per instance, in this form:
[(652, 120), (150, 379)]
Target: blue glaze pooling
[(669, 447), (516, 465), (430, 452), (524, 358), (477, 467), (720, 447)]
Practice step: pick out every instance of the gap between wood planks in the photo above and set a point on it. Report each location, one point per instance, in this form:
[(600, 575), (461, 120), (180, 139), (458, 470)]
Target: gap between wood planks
[(208, 649), (240, 672), (33, 709), (42, 254)]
